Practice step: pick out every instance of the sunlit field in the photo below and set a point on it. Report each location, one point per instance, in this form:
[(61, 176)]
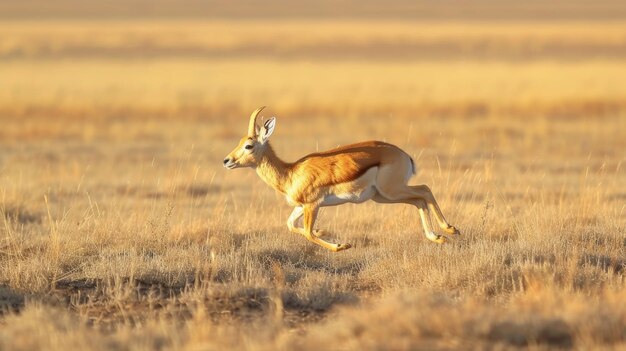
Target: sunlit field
[(121, 230)]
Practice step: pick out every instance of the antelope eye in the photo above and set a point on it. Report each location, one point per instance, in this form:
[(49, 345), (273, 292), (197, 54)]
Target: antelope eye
[(248, 147)]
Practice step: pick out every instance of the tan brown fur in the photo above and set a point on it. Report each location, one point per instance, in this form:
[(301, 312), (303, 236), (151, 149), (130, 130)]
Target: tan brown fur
[(370, 170)]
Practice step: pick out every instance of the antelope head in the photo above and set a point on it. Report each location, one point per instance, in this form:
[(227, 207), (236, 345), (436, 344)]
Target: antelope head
[(251, 147)]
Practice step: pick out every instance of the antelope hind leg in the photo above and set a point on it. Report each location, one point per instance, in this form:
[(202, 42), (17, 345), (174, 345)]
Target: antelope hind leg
[(424, 192), (425, 219)]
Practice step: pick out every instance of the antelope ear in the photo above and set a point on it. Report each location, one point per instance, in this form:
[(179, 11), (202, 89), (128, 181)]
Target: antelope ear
[(267, 130)]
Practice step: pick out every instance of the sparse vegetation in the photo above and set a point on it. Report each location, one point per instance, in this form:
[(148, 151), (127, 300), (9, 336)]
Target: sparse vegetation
[(121, 231)]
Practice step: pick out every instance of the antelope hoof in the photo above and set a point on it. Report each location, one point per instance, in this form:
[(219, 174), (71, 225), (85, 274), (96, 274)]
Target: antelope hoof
[(439, 239), (452, 230), (341, 247)]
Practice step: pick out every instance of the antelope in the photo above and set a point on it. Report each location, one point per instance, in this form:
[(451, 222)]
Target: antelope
[(370, 170)]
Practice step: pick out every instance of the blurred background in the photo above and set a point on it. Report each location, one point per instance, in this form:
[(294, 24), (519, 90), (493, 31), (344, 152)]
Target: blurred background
[(204, 59)]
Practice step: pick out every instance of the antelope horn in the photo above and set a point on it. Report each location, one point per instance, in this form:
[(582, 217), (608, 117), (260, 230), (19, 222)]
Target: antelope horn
[(253, 116)]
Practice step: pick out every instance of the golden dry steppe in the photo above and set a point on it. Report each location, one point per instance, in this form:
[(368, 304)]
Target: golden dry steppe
[(121, 230)]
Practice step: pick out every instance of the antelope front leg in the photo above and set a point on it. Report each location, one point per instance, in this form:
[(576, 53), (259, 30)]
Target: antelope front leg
[(310, 215), (293, 219)]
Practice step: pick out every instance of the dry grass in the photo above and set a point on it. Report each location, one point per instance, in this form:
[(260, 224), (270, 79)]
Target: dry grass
[(120, 230)]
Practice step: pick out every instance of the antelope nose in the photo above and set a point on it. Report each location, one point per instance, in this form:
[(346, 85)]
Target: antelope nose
[(226, 160)]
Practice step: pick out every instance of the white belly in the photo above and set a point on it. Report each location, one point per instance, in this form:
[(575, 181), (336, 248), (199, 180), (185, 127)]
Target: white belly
[(357, 191), (339, 199)]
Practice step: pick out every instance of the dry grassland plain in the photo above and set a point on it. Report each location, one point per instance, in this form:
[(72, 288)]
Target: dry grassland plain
[(121, 231)]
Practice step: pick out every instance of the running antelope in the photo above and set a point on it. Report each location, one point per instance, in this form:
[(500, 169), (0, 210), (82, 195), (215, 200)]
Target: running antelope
[(371, 170)]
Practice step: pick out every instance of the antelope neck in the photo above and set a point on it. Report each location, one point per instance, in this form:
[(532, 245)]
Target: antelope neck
[(272, 169)]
